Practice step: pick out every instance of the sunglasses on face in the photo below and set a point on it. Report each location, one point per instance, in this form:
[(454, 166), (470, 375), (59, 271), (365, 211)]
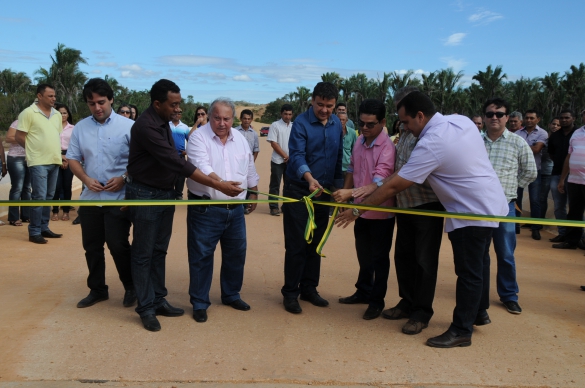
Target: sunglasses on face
[(361, 124), (499, 115), (201, 114)]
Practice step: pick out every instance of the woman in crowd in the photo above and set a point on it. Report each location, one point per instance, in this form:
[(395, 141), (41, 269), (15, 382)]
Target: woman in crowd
[(65, 178), (125, 111), (19, 178), (200, 116), (134, 111)]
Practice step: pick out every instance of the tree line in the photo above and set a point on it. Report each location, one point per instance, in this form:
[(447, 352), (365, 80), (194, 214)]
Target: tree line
[(548, 95)]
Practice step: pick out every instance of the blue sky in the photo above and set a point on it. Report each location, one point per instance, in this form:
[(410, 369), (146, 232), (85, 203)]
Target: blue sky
[(260, 50)]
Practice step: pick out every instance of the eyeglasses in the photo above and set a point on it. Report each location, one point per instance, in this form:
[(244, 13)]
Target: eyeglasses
[(201, 114), (361, 124), (125, 112), (499, 115)]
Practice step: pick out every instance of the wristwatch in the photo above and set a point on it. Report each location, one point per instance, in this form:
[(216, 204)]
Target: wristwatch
[(124, 176), (355, 212)]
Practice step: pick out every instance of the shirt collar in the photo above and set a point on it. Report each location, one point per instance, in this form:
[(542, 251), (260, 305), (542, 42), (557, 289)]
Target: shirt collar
[(313, 119), (373, 141), (240, 128), (36, 108), (285, 124), (107, 121), (433, 121)]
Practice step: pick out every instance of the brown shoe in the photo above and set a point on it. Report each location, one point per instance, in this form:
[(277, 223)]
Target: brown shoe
[(413, 327), (394, 313)]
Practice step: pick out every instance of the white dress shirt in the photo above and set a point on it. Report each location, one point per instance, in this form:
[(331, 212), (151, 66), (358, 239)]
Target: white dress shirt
[(279, 132), (232, 161)]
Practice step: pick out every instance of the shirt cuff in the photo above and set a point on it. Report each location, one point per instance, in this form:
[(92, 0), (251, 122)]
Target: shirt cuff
[(377, 179), (349, 169), (302, 170)]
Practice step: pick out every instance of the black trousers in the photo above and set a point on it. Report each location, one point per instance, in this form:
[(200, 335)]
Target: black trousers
[(99, 225), (302, 263), (416, 258), (276, 173), (576, 207), (373, 241)]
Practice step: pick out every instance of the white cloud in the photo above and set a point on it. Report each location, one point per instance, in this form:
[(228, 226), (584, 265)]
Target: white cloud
[(107, 64), (242, 78), (212, 75), (455, 39), (288, 80), (135, 71), (96, 71), (455, 64), (482, 17), (193, 60)]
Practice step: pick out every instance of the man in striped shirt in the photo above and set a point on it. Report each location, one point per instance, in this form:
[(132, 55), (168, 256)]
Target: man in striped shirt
[(513, 161)]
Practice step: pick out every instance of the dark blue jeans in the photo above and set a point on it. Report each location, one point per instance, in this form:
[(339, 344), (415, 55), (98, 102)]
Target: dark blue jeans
[(63, 189), (560, 201), (504, 237), (43, 181), (534, 197), (276, 173), (472, 267), (206, 226), (20, 187), (151, 235), (373, 241), (302, 263)]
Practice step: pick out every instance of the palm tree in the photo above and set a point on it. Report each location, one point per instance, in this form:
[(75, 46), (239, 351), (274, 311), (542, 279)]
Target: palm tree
[(490, 81), (302, 96), (17, 87)]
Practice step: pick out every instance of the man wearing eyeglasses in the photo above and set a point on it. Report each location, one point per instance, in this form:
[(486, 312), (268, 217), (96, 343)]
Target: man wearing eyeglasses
[(513, 161), (453, 159), (180, 132)]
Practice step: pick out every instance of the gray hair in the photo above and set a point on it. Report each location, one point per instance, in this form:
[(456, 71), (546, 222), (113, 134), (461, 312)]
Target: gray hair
[(223, 101), (516, 114), (403, 92)]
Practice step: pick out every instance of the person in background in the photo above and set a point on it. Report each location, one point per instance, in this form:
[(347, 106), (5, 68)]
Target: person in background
[(478, 121), (125, 110), (278, 136), (20, 188), (515, 121), (546, 169), (134, 111), (65, 178), (180, 132), (200, 118)]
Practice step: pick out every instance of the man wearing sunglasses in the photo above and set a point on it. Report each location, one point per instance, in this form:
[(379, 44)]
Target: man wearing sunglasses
[(514, 164), (453, 159)]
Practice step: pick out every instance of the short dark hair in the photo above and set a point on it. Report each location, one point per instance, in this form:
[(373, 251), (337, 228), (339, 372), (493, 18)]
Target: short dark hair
[(416, 102), (499, 103), (161, 88), (340, 104), (325, 90), (532, 111), (286, 108), (247, 112), (371, 106), (41, 88), (568, 111), (69, 116), (99, 87)]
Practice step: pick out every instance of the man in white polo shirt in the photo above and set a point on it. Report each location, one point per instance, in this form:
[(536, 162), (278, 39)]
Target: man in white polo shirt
[(451, 155)]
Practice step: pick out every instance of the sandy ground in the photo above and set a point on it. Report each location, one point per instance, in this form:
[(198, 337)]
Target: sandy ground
[(46, 341)]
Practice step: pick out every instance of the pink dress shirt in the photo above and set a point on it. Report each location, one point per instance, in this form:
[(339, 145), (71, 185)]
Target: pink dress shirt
[(66, 136)]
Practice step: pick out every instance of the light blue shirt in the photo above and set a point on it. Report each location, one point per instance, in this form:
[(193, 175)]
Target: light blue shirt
[(104, 149)]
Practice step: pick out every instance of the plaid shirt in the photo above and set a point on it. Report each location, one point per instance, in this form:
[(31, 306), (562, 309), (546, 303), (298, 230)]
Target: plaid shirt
[(416, 194), (512, 160)]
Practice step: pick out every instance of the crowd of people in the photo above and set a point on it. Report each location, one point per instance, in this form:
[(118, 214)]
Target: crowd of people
[(428, 161)]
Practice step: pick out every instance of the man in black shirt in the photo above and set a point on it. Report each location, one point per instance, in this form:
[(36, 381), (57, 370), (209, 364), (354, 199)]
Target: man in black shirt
[(153, 166), (558, 148)]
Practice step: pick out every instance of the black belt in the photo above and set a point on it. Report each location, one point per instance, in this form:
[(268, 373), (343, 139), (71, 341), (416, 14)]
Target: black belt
[(222, 205)]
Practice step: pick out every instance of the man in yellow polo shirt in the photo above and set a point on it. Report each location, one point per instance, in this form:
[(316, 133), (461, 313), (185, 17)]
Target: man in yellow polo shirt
[(39, 127)]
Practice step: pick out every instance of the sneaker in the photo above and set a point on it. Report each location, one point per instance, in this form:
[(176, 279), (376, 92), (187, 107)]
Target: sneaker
[(246, 211), (274, 212), (513, 307)]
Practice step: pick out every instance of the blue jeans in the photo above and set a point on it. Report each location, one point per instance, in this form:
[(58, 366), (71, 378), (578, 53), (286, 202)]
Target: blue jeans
[(206, 226), (20, 187), (544, 190), (43, 180), (534, 197), (560, 201), (504, 238), (63, 189), (472, 267), (151, 234)]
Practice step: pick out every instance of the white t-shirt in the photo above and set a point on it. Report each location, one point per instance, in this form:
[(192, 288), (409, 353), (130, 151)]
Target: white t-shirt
[(280, 133)]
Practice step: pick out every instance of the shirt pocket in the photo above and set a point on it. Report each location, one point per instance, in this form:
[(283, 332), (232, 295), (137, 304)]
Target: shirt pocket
[(116, 147), (241, 166)]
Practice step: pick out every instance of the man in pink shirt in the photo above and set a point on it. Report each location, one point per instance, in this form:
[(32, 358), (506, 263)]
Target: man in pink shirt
[(372, 160)]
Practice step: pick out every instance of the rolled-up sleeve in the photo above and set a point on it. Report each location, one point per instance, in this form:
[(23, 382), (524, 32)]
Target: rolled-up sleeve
[(253, 177), (198, 152)]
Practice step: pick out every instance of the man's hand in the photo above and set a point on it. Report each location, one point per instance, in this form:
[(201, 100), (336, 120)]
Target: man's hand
[(344, 218), (93, 184), (561, 186), (4, 170), (285, 159), (314, 185), (252, 206), (114, 184), (229, 188), (364, 191), (342, 195)]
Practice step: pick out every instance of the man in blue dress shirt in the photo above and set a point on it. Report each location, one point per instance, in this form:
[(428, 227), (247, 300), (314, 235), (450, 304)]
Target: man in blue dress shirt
[(315, 158)]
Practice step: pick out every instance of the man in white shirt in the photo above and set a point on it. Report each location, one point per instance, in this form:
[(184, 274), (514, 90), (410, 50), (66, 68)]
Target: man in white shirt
[(220, 152), (278, 135)]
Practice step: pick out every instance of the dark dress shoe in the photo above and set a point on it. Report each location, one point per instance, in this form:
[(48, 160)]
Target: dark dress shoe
[(449, 339), (535, 235), (513, 307), (582, 288), (564, 245), (166, 310), (49, 234), (129, 298), (76, 221), (353, 299), (315, 299), (90, 300), (200, 315), (581, 244), (238, 304), (150, 322), (292, 305), (557, 239), (413, 327), (394, 313), (372, 312), (482, 319), (37, 239)]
